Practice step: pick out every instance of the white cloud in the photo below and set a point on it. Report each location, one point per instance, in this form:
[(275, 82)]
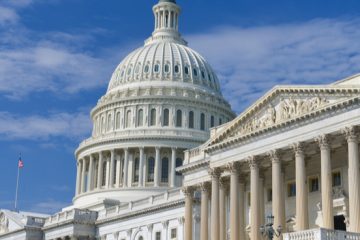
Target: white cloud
[(48, 207), (250, 61), (8, 16), (71, 126)]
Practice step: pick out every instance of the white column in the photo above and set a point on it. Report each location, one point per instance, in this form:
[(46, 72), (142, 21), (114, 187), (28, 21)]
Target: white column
[(157, 167), (91, 174), (111, 168), (141, 167), (234, 200), (107, 172), (173, 166), (215, 178), (261, 199), (83, 176), (326, 183), (126, 167), (204, 224), (242, 197), (100, 171), (354, 179), (222, 209), (277, 187), (302, 214), (118, 171), (78, 177), (189, 195), (255, 206)]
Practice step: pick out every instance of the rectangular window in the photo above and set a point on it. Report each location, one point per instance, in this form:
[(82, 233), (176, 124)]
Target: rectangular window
[(174, 234), (269, 195), (158, 235), (336, 179), (313, 184), (291, 189)]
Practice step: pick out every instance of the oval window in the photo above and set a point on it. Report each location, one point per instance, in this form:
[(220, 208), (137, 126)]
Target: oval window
[(137, 69), (186, 70), (167, 68), (146, 68), (195, 72), (203, 74), (129, 71), (157, 68), (177, 69)]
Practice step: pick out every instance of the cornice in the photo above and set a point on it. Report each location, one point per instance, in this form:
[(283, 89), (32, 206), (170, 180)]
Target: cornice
[(193, 166)]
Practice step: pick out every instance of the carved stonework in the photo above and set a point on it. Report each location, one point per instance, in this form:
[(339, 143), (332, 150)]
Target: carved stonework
[(298, 148), (350, 133), (233, 167), (274, 156), (214, 172), (4, 223), (253, 162), (323, 141), (286, 109)]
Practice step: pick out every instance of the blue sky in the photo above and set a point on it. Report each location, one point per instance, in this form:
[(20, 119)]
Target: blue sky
[(57, 56)]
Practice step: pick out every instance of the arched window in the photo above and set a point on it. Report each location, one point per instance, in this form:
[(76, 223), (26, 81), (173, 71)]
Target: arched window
[(136, 170), (195, 72), (151, 169), (202, 121), (109, 122), (117, 120), (165, 170), (212, 121), (153, 117), (140, 238), (166, 117), (187, 70), (140, 119), (103, 124), (128, 119), (103, 180), (220, 121), (191, 119), (179, 163), (179, 118)]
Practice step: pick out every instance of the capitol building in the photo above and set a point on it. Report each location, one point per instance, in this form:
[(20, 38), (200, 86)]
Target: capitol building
[(169, 160)]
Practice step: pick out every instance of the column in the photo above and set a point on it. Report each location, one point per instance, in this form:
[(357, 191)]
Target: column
[(78, 177), (107, 172), (234, 200), (189, 195), (118, 171), (126, 167), (302, 215), (157, 167), (83, 176), (173, 166), (204, 224), (91, 174), (242, 197), (354, 179), (254, 203), (215, 177), (141, 167), (111, 168), (222, 208), (326, 183), (261, 199), (100, 171), (277, 187)]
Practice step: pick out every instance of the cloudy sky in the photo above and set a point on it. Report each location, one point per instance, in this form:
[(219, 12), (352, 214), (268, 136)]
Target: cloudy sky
[(56, 58)]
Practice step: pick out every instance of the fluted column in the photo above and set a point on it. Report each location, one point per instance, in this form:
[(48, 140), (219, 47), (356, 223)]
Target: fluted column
[(141, 167), (107, 172), (112, 166), (302, 214), (78, 177), (118, 171), (354, 179), (204, 224), (234, 200), (173, 166), (189, 195), (126, 167), (222, 208), (277, 187), (326, 183), (157, 167), (100, 171), (215, 177), (83, 173), (91, 174), (255, 206), (242, 197)]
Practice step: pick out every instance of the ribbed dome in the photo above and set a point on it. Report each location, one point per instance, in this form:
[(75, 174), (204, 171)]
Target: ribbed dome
[(164, 61)]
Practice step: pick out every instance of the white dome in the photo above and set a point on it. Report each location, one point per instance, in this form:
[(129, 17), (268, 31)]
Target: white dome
[(165, 61)]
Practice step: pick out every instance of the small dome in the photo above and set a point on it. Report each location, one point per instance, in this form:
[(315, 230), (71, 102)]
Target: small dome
[(167, 62)]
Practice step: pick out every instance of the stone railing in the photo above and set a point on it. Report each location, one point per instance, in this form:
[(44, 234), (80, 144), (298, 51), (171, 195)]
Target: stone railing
[(35, 221), (321, 234), (152, 201), (76, 215)]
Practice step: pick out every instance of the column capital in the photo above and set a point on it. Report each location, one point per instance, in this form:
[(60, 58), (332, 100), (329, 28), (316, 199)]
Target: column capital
[(181, 220), (323, 141), (253, 162), (350, 133), (141, 148), (188, 191), (274, 156), (157, 148), (214, 173), (224, 183), (149, 227), (173, 148), (165, 224), (204, 187), (233, 167), (112, 151), (298, 147)]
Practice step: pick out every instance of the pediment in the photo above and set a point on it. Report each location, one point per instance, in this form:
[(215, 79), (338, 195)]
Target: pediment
[(284, 104), (9, 221)]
